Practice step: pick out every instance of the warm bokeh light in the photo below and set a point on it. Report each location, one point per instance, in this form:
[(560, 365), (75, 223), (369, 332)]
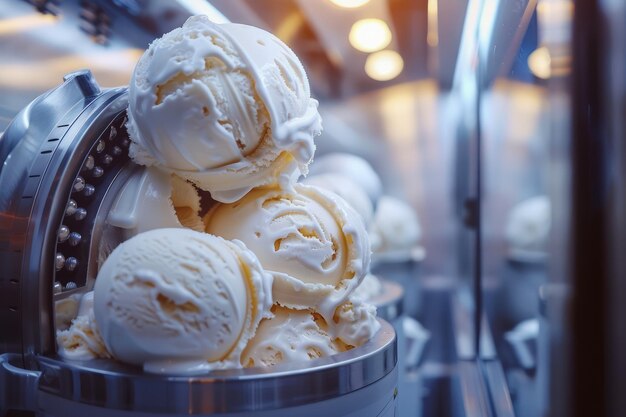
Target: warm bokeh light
[(21, 24), (432, 34), (384, 65), (370, 35), (288, 28), (406, 111), (111, 68), (522, 108), (539, 62), (556, 9), (350, 4)]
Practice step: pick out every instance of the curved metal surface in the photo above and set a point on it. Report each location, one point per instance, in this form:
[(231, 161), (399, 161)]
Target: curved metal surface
[(106, 383), (379, 399), (18, 387), (26, 152), (17, 129), (47, 213), (43, 148)]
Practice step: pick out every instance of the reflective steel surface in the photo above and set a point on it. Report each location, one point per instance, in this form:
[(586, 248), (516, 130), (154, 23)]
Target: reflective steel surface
[(42, 150), (106, 383)]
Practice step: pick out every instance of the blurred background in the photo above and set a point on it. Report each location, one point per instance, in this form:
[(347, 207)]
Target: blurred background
[(471, 112)]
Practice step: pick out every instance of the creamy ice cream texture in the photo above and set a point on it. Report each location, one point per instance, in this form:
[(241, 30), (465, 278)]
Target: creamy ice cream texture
[(180, 301), (396, 228), (291, 335), (347, 189), (354, 168), (82, 341), (354, 322), (302, 335), (314, 244), (226, 107), (66, 310), (369, 288)]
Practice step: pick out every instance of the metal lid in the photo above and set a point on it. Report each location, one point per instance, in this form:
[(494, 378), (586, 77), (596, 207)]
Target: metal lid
[(389, 303), (110, 384)]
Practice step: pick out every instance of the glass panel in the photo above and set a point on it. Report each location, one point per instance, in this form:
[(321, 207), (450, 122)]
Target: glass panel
[(524, 58), (463, 115)]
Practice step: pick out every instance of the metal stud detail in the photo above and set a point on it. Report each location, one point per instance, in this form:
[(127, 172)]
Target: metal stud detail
[(74, 239), (79, 184), (64, 233), (100, 146), (80, 214), (89, 163), (89, 190), (71, 285), (71, 208), (107, 159), (57, 287), (97, 172), (59, 261), (71, 263), (116, 151), (112, 133)]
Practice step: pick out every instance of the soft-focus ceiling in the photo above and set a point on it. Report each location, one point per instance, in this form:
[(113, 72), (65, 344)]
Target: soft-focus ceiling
[(40, 40)]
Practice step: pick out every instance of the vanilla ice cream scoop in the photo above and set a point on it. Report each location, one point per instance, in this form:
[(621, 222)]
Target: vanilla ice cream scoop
[(528, 225), (180, 301), (353, 167), (82, 341), (354, 322), (347, 189), (369, 288), (290, 335), (226, 107), (302, 335), (311, 240), (395, 229)]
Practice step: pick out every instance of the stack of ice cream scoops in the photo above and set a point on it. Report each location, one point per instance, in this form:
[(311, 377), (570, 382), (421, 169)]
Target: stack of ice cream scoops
[(266, 273)]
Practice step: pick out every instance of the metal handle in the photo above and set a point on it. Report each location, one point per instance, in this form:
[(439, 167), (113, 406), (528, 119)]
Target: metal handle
[(85, 81), (18, 387)]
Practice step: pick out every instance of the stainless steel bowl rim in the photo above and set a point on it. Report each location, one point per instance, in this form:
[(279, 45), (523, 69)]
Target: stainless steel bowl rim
[(100, 382)]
